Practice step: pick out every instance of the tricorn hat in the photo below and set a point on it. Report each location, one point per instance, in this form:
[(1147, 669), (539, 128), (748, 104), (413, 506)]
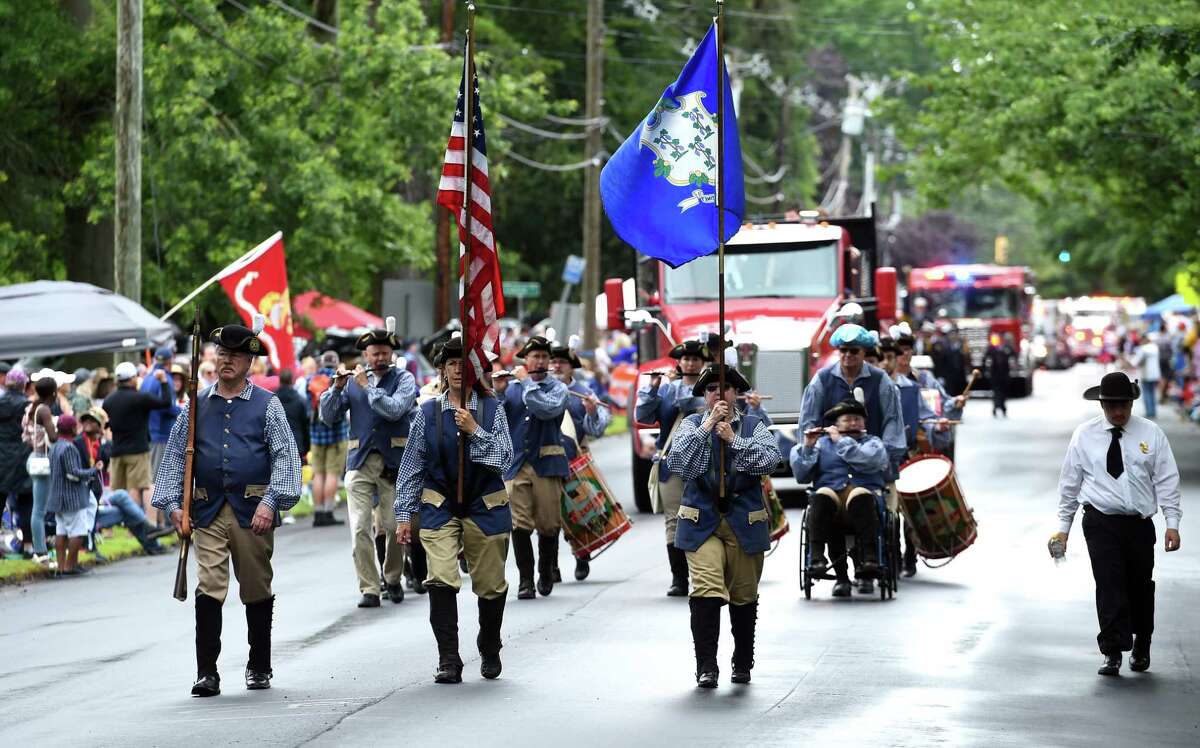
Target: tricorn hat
[(385, 336), (452, 348), (535, 343), (1114, 387), (846, 408), (692, 348), (239, 338), (565, 353), (711, 374)]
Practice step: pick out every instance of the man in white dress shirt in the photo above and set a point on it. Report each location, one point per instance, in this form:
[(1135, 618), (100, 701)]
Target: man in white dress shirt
[(1120, 467)]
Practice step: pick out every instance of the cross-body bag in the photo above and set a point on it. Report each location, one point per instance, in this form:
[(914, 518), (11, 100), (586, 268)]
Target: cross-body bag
[(653, 486)]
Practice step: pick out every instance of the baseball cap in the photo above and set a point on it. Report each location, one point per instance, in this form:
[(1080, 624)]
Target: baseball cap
[(125, 371), (82, 375), (164, 354)]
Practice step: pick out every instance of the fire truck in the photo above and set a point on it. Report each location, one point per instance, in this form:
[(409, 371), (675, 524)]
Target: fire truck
[(984, 302), (784, 280)]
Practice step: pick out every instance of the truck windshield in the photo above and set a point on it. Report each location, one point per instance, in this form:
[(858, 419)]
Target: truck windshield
[(758, 271), (973, 303)]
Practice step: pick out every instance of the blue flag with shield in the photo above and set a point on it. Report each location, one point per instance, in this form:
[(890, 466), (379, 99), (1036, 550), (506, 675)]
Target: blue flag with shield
[(660, 188)]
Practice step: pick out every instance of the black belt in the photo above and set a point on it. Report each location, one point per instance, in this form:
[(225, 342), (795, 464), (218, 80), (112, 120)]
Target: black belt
[(1089, 508)]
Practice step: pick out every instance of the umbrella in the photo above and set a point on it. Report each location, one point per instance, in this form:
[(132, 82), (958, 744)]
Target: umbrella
[(326, 313), (1174, 303), (54, 318)]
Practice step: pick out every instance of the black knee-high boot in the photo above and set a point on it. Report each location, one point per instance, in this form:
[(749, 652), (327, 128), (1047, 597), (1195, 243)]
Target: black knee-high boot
[(208, 646), (679, 572), (820, 515), (259, 616), (547, 555), (491, 616), (522, 545), (865, 520), (706, 632), (443, 618), (741, 623)]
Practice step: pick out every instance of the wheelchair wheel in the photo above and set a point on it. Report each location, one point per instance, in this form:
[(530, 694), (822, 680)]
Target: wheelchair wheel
[(894, 558), (806, 582)]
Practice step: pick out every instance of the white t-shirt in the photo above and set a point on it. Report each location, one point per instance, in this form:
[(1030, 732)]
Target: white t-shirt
[(1145, 358)]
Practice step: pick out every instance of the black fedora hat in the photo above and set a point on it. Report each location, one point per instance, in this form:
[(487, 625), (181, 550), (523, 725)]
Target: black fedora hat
[(711, 374), (1114, 387)]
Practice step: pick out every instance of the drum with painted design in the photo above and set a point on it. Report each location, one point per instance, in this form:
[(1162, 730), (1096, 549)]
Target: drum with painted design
[(592, 518), (934, 506)]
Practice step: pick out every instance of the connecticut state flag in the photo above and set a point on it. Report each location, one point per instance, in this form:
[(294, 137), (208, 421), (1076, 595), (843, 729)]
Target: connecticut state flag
[(660, 187)]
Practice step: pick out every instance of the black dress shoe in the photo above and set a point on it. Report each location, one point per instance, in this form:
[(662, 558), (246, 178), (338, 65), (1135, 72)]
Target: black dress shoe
[(910, 570), (258, 680), (525, 589), (396, 593), (866, 586), (819, 568), (154, 550), (740, 675), (678, 588), (418, 586), (708, 679), (867, 569), (207, 684), (583, 567), (545, 585), (1139, 663), (449, 671), (490, 666), (841, 588), (369, 601), (1111, 665)]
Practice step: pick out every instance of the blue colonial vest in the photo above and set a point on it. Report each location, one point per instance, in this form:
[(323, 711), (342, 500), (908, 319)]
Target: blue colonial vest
[(834, 472), (746, 510), (536, 442), (487, 503), (233, 460), (371, 432), (834, 390), (910, 408)]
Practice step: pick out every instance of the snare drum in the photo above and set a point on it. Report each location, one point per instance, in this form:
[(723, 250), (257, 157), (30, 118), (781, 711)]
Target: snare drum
[(777, 519), (934, 506), (592, 519)]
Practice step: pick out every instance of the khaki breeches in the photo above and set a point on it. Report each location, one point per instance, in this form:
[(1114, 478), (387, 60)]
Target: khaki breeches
[(536, 501), (485, 554), (362, 486), (671, 494), (720, 568), (845, 496), (223, 540)]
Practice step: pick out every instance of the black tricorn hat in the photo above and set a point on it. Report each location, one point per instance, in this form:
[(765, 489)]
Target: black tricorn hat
[(711, 376), (452, 348), (846, 408), (237, 338), (1114, 387), (886, 343), (692, 348), (904, 341), (535, 343), (565, 353), (386, 336)]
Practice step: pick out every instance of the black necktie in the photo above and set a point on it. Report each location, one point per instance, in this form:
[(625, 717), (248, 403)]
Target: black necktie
[(1116, 465)]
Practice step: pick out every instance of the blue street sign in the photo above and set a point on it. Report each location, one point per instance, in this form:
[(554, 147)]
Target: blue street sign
[(573, 272)]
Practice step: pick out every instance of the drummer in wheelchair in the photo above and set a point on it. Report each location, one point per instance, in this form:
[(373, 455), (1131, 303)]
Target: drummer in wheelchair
[(847, 468)]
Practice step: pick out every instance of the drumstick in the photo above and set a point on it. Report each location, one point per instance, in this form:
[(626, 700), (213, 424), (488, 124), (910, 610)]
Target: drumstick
[(762, 397), (970, 383)]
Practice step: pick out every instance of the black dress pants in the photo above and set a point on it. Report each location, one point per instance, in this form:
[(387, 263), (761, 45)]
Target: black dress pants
[(1122, 550)]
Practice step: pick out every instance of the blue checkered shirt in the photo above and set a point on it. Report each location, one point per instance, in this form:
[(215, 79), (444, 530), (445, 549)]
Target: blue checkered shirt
[(322, 434), (491, 447), (284, 490)]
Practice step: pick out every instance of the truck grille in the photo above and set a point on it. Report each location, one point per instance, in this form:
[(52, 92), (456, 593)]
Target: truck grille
[(977, 339), (778, 373)]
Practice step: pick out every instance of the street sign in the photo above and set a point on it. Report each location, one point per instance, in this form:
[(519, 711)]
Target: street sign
[(573, 272), (522, 289)]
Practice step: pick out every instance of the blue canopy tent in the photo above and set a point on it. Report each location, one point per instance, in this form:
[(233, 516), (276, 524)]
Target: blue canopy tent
[(1174, 303)]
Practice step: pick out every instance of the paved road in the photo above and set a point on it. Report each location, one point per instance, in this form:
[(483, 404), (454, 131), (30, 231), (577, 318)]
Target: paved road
[(995, 649)]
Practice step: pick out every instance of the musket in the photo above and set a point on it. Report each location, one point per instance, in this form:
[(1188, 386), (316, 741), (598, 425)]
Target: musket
[(189, 462)]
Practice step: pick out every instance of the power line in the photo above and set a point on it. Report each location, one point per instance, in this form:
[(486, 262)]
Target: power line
[(304, 17), (593, 161), (540, 132)]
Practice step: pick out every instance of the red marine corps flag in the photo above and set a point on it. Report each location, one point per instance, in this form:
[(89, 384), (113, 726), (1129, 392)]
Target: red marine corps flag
[(257, 284), (481, 296)]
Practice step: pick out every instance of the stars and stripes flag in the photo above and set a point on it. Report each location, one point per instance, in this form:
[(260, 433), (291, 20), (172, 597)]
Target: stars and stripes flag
[(481, 295)]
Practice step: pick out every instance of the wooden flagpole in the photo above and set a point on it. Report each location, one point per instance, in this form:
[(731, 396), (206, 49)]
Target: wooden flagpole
[(719, 22), (465, 263)]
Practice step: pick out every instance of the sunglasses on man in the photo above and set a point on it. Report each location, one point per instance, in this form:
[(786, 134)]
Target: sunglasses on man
[(851, 350)]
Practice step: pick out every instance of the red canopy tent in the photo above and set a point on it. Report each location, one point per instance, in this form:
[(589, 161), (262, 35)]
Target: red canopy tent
[(325, 313)]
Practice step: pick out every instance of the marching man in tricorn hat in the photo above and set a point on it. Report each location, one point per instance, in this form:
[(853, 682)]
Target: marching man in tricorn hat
[(1120, 468), (724, 534), (380, 400), (247, 471)]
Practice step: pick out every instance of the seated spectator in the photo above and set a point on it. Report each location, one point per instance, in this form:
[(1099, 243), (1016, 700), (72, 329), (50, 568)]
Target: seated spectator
[(115, 507), (847, 468), (70, 498)]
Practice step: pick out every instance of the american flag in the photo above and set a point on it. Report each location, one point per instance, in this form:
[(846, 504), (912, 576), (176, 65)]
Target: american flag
[(482, 301)]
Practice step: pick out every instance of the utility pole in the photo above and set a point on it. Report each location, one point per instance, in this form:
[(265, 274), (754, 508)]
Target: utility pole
[(127, 232), (442, 246), (594, 110)]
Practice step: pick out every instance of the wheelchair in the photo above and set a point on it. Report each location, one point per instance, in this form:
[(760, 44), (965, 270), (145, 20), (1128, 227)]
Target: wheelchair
[(887, 542)]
